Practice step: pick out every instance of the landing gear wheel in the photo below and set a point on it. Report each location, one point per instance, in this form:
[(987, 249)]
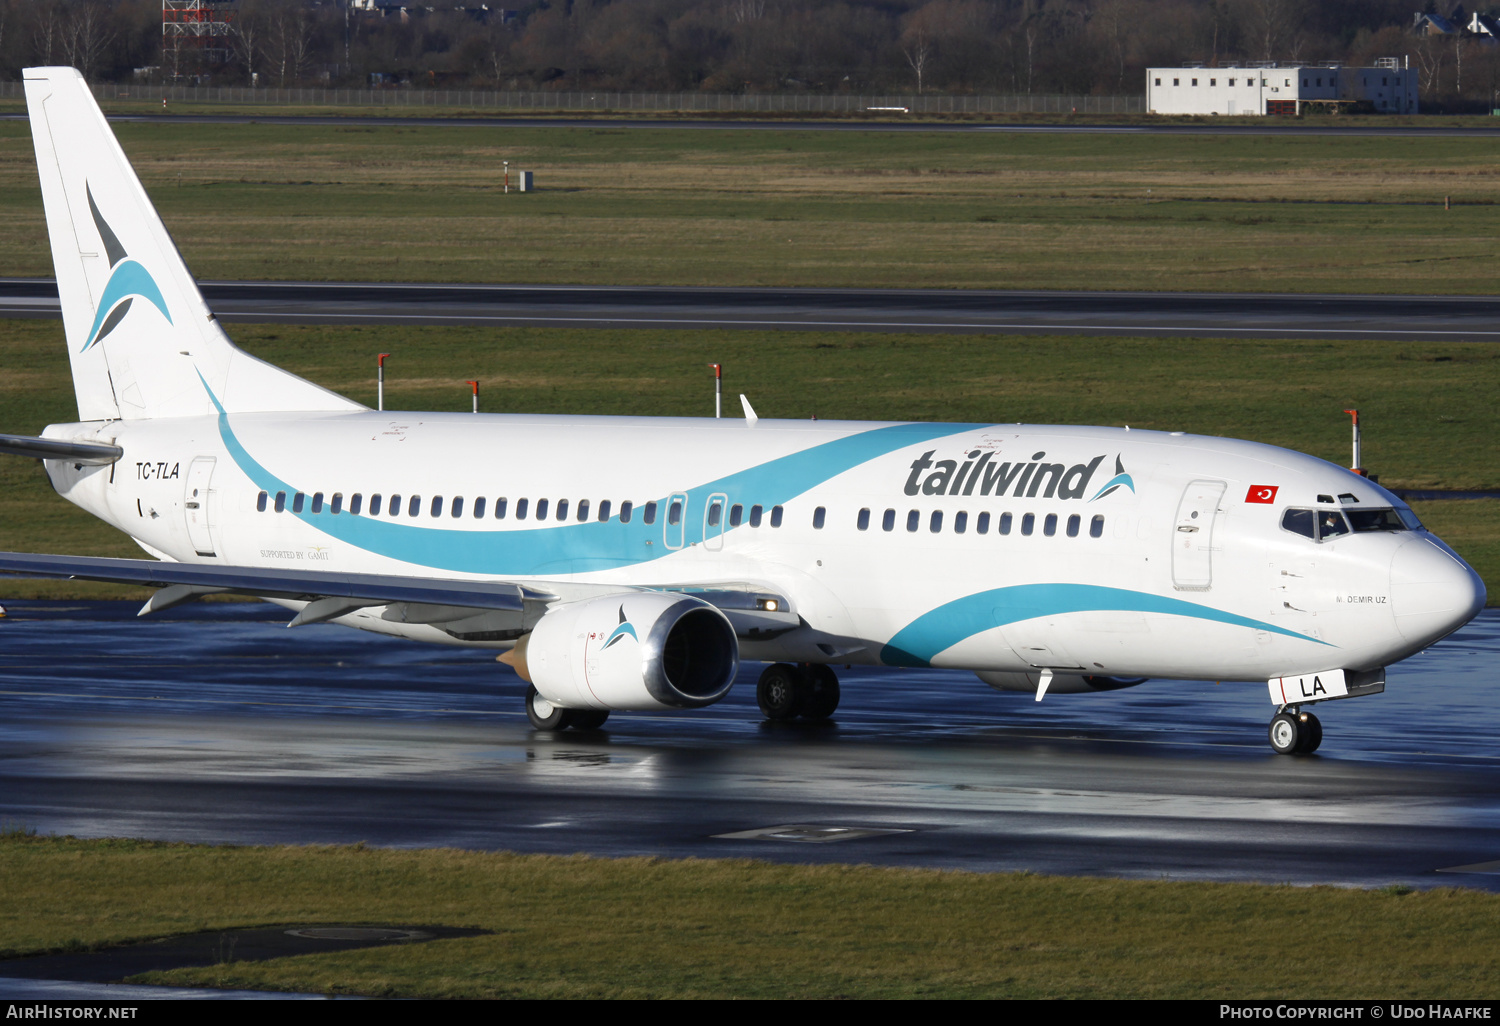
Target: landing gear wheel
[(1286, 734), (822, 693), (781, 691), (543, 714), (587, 719), (1312, 734)]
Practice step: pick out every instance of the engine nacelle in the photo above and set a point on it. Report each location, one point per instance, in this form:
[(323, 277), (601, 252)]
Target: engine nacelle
[(641, 650), (1062, 683)]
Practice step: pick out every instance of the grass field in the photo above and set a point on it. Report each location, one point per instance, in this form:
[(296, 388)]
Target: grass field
[(1430, 419), (669, 206), (710, 928)]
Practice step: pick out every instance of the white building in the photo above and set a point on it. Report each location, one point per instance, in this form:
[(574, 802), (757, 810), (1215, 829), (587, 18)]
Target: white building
[(1267, 87)]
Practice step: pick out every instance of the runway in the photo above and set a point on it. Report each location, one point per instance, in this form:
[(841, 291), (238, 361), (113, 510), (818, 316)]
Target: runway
[(214, 723), (1363, 127), (1226, 315)]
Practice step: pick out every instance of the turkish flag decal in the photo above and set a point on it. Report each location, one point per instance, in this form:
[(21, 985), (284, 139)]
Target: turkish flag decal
[(1261, 493)]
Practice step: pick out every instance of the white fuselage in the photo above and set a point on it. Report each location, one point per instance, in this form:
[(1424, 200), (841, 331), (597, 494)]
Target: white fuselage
[(1024, 555)]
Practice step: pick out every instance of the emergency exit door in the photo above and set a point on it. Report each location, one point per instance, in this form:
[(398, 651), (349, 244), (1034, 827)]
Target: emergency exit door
[(195, 504), (1193, 535)]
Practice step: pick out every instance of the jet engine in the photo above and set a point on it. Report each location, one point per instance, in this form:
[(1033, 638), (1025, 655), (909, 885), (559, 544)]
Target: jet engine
[(1062, 683), (639, 650)]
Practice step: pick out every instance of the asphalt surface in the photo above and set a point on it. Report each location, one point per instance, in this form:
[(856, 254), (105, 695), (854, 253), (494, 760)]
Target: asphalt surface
[(1229, 315), (1372, 127), (214, 723)]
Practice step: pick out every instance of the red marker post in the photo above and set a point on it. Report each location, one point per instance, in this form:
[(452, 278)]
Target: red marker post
[(476, 394), (380, 381), (1356, 467), (718, 389)]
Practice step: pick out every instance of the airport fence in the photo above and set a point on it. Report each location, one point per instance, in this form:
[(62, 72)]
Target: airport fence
[(605, 102)]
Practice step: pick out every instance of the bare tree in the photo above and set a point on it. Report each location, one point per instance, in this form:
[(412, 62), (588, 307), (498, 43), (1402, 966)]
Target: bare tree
[(85, 35), (290, 39), (917, 49)]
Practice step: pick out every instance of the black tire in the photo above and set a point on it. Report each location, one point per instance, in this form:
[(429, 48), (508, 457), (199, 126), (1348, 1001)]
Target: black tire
[(543, 714), (587, 719), (1312, 734), (822, 693), (1285, 733), (781, 692)]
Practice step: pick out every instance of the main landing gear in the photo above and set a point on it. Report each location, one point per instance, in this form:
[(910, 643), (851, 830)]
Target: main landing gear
[(1294, 732), (785, 691), (546, 716)]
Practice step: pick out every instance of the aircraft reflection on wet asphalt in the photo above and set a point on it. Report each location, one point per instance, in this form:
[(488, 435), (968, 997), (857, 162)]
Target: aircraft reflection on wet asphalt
[(213, 723)]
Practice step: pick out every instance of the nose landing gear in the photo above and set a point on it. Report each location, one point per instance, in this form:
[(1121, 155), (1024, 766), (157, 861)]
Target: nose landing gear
[(1294, 732)]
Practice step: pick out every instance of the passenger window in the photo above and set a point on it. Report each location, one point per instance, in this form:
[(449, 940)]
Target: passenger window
[(603, 510), (649, 517), (982, 524), (674, 513), (500, 505), (755, 513), (1005, 521), (863, 523), (1096, 527), (1049, 526), (776, 516), (562, 509), (336, 504), (393, 508), (1331, 524), (260, 502), (818, 515), (583, 510), (913, 520), (1299, 521), (355, 502), (375, 505), (736, 515), (1028, 524), (414, 506), (297, 501), (280, 501), (456, 507), (715, 513), (522, 505), (1073, 522), (317, 503), (935, 522), (479, 505), (888, 520), (437, 506), (626, 508), (960, 522), (541, 509)]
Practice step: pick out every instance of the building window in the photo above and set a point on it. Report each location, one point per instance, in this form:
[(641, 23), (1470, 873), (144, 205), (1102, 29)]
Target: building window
[(1231, 81), (1158, 81), (1213, 82), (1195, 81), (818, 515), (863, 523), (1177, 81), (888, 520)]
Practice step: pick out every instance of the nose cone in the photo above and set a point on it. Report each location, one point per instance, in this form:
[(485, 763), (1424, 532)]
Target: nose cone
[(1433, 593)]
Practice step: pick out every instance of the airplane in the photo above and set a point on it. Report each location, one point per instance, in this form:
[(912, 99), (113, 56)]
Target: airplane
[(631, 563)]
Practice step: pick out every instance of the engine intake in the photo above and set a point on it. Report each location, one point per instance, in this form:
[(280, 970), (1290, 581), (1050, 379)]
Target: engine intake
[(641, 650)]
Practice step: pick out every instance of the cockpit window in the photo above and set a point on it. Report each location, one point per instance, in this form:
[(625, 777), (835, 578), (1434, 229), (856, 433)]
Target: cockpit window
[(1331, 524), (1300, 521), (1376, 520), (1410, 519)]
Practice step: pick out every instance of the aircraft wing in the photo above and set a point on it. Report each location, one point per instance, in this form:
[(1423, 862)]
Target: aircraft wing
[(467, 609)]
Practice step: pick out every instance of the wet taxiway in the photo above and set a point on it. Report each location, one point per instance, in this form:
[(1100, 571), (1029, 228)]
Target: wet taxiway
[(214, 723)]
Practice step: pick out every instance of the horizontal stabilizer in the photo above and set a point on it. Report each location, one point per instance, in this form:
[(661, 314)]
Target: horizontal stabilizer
[(90, 454)]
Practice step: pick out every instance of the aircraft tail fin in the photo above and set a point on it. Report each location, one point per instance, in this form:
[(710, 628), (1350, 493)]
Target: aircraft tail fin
[(141, 340)]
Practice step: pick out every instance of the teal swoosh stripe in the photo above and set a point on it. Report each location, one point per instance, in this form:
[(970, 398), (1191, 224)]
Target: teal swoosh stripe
[(128, 279), (947, 625), (575, 547)]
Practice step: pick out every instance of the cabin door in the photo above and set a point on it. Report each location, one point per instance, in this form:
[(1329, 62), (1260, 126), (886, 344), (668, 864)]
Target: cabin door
[(195, 497), (1193, 535)]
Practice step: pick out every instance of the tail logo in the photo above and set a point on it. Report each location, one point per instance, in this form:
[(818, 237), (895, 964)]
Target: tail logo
[(128, 281), (620, 631), (1120, 480)]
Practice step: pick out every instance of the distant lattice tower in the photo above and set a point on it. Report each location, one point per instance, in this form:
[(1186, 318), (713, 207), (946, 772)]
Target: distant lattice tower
[(195, 34)]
